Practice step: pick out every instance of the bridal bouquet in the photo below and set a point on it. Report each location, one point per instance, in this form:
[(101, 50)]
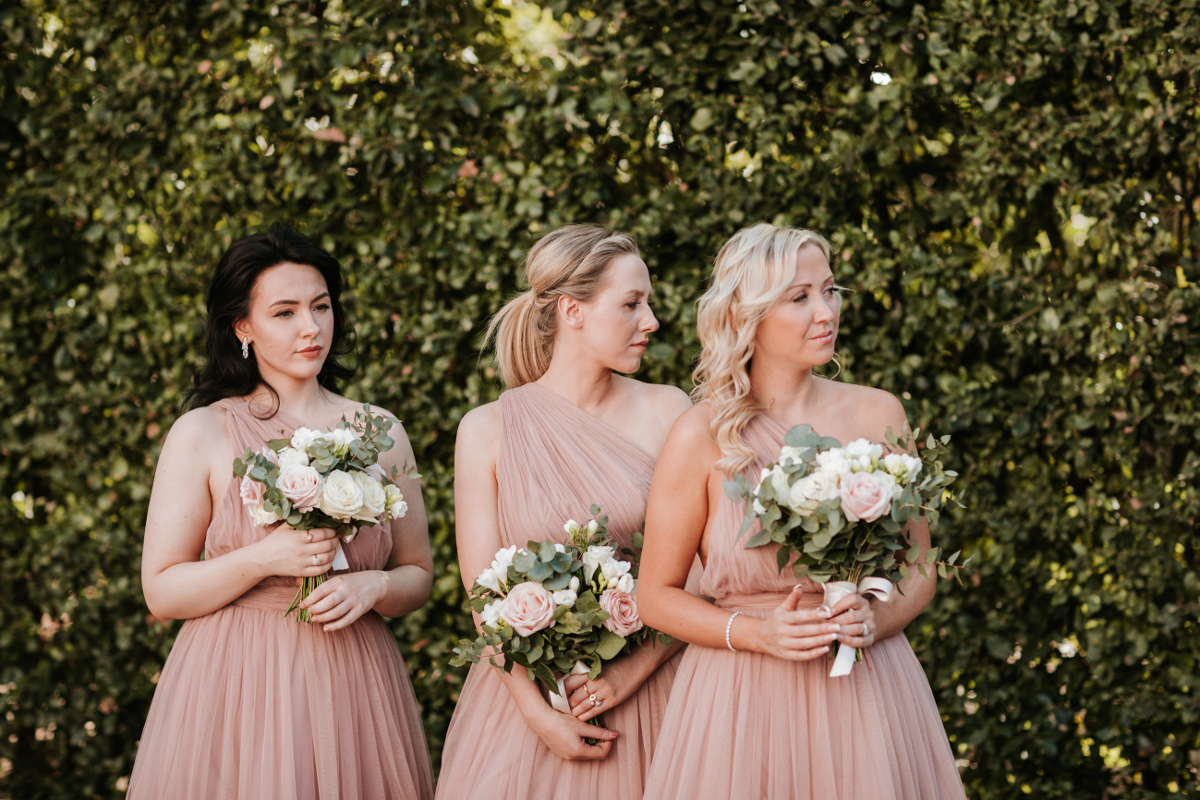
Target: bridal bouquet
[(838, 512), (326, 479), (557, 609)]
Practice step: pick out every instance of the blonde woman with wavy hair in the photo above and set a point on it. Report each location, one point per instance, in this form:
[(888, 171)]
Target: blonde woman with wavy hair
[(569, 432), (753, 712)]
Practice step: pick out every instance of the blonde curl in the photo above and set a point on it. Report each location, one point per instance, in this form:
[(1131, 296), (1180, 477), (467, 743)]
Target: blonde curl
[(751, 273)]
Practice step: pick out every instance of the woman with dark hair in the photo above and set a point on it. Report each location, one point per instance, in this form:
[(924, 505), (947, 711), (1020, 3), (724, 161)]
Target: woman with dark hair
[(251, 704)]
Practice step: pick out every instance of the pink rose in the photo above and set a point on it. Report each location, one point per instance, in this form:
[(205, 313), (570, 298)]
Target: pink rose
[(865, 496), (623, 615), (251, 491), (301, 486), (528, 608)]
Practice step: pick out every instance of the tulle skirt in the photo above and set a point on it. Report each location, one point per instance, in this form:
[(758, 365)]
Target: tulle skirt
[(251, 705), (749, 725), (491, 752)]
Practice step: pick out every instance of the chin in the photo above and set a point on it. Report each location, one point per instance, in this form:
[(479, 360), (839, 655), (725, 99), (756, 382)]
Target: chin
[(627, 366)]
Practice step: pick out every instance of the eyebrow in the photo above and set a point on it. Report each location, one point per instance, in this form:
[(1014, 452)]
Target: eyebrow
[(809, 285), (321, 296)]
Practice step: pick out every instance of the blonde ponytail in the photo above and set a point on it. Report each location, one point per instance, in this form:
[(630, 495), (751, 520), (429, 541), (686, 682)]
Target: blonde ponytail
[(569, 261)]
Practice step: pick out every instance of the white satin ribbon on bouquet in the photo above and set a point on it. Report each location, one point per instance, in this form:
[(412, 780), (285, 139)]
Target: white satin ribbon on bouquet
[(339, 556), (559, 701), (880, 588)]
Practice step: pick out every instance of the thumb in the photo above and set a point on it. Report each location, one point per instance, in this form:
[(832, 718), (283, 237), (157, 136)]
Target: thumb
[(793, 599)]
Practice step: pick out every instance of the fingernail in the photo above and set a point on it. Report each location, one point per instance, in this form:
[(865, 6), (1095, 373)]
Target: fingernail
[(794, 588), (824, 611)]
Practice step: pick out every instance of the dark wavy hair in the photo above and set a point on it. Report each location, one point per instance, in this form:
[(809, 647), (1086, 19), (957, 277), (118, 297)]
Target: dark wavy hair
[(225, 373)]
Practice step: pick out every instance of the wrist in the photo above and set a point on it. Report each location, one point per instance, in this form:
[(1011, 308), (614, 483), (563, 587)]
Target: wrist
[(252, 562), (380, 585), (745, 633)]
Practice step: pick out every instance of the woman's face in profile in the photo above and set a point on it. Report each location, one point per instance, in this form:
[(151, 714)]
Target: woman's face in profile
[(801, 329), (290, 326), (617, 322)]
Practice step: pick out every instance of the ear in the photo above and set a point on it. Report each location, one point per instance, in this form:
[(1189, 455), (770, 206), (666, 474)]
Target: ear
[(570, 311), (241, 329)]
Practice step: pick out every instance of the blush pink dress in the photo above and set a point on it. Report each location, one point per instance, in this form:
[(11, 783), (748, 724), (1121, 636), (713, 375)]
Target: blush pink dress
[(750, 725), (252, 705), (555, 462)]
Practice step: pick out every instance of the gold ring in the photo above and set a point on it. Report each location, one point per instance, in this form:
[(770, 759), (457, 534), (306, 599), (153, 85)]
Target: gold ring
[(592, 697), (316, 561), (308, 537)]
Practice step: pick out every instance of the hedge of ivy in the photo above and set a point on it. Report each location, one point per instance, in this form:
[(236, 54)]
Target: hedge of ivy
[(1011, 188)]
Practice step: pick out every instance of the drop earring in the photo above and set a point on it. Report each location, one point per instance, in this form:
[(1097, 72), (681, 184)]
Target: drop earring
[(246, 347)]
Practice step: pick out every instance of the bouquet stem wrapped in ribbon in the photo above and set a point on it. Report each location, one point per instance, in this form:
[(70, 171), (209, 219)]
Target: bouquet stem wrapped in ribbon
[(838, 513), (326, 479)]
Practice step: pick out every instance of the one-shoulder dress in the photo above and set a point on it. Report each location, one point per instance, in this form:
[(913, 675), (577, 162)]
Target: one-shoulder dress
[(556, 460), (750, 725), (252, 705)]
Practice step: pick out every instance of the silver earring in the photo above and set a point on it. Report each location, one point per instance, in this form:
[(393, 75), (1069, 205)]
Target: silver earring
[(246, 347)]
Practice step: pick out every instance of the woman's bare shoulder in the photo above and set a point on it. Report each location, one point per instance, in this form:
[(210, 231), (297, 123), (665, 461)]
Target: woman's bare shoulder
[(877, 409)]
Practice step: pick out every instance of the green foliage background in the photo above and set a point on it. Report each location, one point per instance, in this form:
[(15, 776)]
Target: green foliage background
[(1016, 209)]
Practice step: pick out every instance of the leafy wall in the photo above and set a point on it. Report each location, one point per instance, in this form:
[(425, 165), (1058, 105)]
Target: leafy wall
[(1011, 188)]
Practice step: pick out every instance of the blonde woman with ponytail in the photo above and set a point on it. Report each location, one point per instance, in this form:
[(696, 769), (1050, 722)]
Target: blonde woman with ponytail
[(753, 712), (569, 432)]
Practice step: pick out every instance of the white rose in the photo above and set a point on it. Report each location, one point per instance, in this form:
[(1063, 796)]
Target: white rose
[(374, 497), (779, 482), (339, 440), (503, 561), (491, 613), (835, 461), (341, 498), (612, 570), (593, 557), (759, 508), (626, 583), (558, 548), (572, 527), (863, 453), (396, 506), (260, 516), (303, 437), (789, 455), (565, 597), (291, 457), (592, 527), (819, 486), (574, 584), (489, 580), (903, 467)]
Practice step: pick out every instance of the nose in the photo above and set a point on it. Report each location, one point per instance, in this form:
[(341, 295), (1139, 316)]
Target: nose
[(308, 324), (649, 322), (827, 310)]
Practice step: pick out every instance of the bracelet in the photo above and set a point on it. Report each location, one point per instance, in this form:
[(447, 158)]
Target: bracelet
[(728, 627)]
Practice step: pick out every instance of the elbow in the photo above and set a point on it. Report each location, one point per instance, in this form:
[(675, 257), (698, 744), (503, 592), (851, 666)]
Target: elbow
[(650, 605), (160, 611)]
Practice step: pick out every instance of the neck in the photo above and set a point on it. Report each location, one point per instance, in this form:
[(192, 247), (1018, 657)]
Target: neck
[(303, 399), (583, 381), (786, 393)]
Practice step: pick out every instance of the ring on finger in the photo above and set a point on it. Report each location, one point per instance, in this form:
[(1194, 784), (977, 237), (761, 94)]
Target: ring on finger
[(316, 561), (308, 537), (592, 697)]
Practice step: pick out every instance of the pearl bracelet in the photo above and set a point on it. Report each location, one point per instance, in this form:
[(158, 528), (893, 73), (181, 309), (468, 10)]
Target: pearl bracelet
[(728, 627)]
